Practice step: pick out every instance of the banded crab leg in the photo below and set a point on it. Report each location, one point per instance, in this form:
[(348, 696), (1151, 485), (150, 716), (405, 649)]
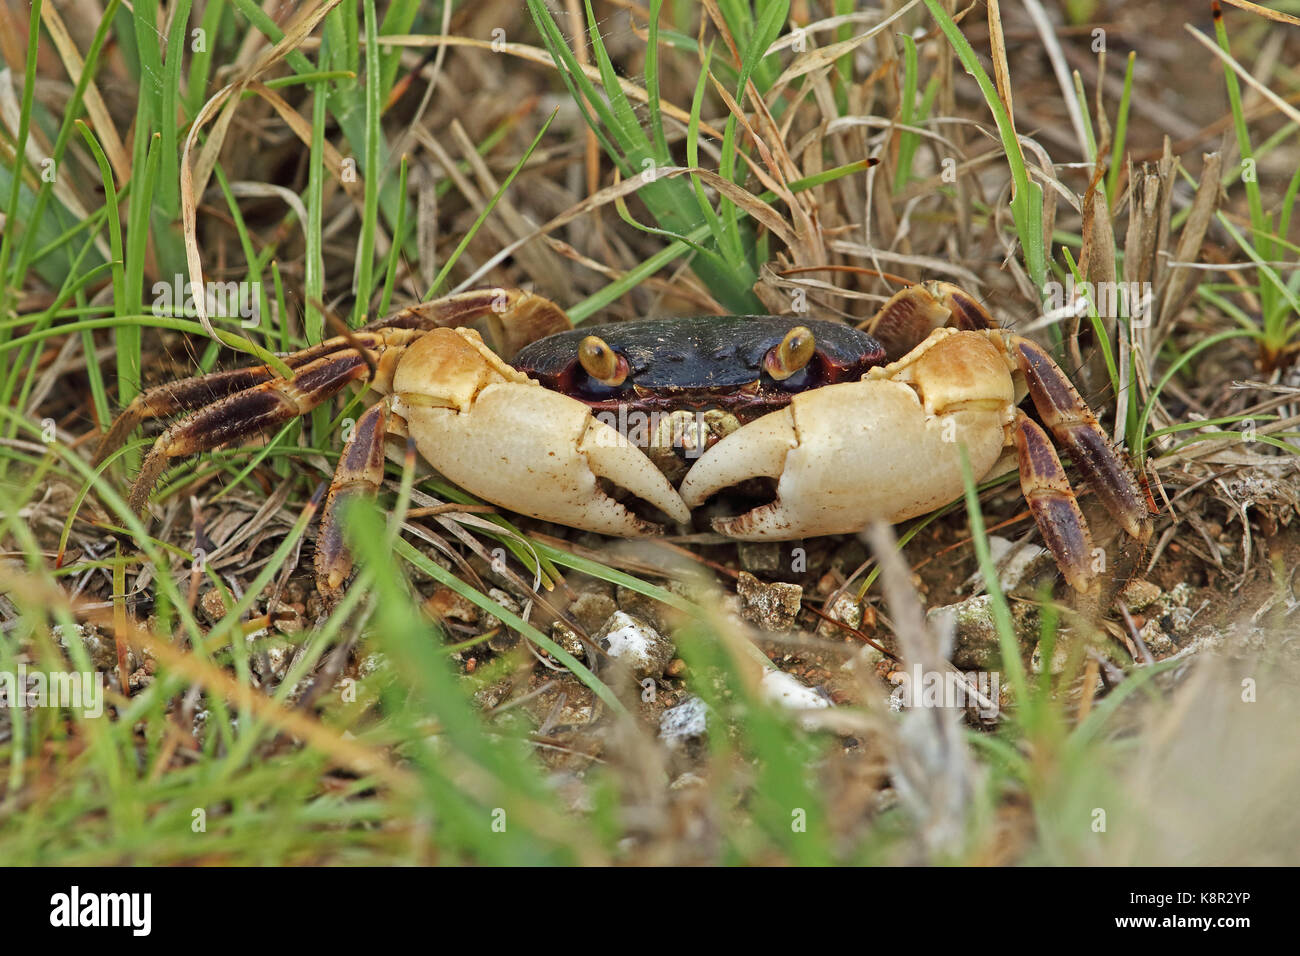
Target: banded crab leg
[(910, 316), (359, 474), (200, 390), (1073, 424), (513, 317), (1053, 504), (265, 405)]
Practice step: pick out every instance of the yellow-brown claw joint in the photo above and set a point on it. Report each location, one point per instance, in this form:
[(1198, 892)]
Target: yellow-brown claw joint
[(793, 353), (513, 318), (968, 313), (911, 314), (1053, 505), (1075, 427), (906, 320), (601, 362)]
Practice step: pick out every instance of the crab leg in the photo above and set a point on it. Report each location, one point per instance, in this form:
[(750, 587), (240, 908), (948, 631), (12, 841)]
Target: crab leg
[(1074, 426), (256, 409), (200, 390), (359, 473), (182, 396), (513, 318), (1053, 504)]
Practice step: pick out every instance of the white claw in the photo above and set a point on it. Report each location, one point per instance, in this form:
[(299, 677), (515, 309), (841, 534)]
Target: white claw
[(540, 453), (610, 455), (847, 455), (761, 453)]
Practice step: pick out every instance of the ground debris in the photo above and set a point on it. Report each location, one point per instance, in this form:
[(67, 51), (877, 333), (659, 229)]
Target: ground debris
[(771, 607), (635, 644)]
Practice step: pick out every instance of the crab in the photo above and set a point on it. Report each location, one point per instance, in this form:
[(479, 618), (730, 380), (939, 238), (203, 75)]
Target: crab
[(836, 426)]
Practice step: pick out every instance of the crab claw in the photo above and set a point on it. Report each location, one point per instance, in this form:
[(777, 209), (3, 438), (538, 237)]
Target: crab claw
[(885, 448), (490, 429)]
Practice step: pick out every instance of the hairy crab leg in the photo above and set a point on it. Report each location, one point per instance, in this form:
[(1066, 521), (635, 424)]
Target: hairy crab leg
[(1053, 504), (257, 409), (359, 473), (183, 396), (193, 393), (514, 318), (1075, 426)]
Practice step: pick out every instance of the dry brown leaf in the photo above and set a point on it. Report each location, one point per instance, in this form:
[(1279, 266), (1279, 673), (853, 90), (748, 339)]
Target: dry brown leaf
[(1265, 12), (1001, 72), (101, 120), (194, 177), (1179, 280)]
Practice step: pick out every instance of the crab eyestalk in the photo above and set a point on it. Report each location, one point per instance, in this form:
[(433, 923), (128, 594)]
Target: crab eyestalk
[(601, 362), (795, 351)]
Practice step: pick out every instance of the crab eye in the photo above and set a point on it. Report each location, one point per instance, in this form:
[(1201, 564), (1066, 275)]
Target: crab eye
[(794, 352), (601, 362)]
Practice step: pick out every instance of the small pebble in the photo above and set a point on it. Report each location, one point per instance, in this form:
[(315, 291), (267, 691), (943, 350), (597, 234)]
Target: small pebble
[(213, 605), (565, 636), (778, 687), (686, 722), (636, 644), (847, 610), (446, 603), (763, 557), (771, 607), (1139, 593)]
